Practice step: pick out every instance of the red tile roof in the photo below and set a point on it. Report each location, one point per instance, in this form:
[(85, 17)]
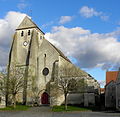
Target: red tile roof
[(111, 75)]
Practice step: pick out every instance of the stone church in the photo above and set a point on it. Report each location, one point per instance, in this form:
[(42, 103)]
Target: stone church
[(44, 64)]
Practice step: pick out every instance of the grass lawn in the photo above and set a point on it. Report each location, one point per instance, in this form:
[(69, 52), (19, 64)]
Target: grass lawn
[(18, 108), (69, 108)]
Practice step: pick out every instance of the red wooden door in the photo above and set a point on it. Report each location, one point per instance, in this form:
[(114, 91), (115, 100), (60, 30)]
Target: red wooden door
[(45, 98)]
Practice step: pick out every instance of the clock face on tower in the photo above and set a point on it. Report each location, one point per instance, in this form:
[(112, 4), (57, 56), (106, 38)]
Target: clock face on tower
[(45, 71), (25, 43)]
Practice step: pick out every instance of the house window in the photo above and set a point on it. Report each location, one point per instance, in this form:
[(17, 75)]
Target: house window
[(22, 34), (28, 32)]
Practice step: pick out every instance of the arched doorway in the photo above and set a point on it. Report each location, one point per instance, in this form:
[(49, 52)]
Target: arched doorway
[(45, 98)]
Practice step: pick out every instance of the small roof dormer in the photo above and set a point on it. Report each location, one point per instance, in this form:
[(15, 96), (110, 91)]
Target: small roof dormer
[(27, 23)]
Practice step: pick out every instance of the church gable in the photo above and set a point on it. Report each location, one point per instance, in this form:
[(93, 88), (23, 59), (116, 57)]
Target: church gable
[(28, 23)]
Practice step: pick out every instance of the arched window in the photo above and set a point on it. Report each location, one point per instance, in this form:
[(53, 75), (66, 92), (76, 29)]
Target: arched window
[(22, 33), (28, 32), (40, 37)]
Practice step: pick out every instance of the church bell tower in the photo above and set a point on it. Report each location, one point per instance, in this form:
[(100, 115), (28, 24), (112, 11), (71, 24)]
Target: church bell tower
[(24, 50), (25, 34)]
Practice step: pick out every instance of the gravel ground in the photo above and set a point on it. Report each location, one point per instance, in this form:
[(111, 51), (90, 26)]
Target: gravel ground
[(45, 112)]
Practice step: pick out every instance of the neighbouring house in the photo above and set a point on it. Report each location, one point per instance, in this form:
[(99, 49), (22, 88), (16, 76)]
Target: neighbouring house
[(102, 90), (112, 93), (118, 95), (44, 65)]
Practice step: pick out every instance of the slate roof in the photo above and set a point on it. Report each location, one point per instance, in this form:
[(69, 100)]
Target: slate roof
[(61, 54)]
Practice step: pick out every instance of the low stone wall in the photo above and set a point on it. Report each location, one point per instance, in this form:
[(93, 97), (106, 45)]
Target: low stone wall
[(76, 98), (89, 99)]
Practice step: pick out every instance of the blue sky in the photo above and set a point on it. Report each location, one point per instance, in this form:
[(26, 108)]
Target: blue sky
[(97, 23), (44, 11)]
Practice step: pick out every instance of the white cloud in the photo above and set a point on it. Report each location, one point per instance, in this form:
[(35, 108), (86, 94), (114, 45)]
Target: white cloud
[(88, 12), (47, 24), (104, 17), (65, 19), (3, 56), (7, 28), (89, 49), (21, 6)]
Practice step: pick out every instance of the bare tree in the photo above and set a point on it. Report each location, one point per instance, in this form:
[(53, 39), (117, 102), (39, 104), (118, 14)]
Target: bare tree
[(12, 85), (67, 81), (15, 82), (67, 85), (3, 77)]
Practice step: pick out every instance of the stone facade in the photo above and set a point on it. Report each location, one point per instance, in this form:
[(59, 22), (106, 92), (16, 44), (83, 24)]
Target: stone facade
[(118, 95), (44, 65), (110, 95)]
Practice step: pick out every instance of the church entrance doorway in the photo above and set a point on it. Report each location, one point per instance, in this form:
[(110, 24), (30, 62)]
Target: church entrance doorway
[(45, 98)]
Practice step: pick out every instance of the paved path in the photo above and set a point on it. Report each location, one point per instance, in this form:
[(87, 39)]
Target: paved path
[(45, 112)]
